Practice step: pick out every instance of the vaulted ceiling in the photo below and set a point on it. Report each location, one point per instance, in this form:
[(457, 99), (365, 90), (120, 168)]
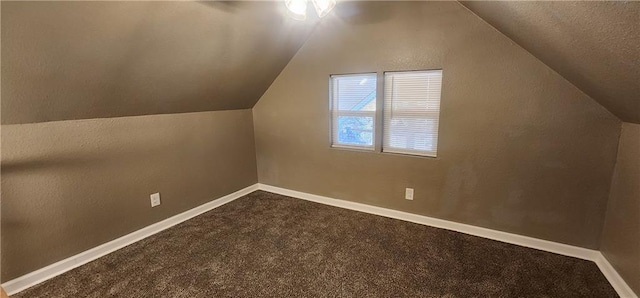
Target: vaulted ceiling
[(73, 60), (76, 60), (594, 45)]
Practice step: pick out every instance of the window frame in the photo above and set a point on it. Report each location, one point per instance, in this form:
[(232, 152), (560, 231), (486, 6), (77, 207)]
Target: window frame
[(334, 113)]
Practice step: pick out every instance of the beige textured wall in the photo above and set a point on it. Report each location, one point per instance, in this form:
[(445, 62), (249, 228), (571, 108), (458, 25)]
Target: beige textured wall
[(520, 149), (71, 185), (621, 233)]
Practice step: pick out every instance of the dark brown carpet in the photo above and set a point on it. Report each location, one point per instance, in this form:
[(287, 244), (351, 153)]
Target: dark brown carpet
[(267, 245)]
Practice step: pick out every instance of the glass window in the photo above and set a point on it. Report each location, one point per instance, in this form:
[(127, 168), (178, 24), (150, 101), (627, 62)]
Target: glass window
[(353, 111), (411, 112)]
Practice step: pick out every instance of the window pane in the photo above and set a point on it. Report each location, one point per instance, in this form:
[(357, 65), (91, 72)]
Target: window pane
[(353, 106), (411, 112), (355, 131), (356, 92), (420, 137)]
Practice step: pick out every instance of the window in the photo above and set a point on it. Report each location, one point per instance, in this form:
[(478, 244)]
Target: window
[(411, 112), (353, 111)]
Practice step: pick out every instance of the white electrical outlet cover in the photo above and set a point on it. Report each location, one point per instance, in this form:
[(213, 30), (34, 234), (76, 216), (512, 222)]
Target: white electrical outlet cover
[(155, 199), (408, 193)]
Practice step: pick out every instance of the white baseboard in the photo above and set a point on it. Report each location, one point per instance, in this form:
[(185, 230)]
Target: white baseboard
[(16, 285), (564, 249), (613, 277), (28, 280), (559, 248)]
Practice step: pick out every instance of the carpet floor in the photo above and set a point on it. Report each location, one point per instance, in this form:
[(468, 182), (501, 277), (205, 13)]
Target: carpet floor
[(268, 245)]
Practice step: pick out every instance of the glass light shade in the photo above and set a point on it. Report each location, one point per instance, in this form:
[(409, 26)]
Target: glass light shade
[(297, 9), (323, 7)]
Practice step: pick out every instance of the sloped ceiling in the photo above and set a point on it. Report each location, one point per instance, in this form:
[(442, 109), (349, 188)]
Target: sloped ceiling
[(74, 60), (594, 45)]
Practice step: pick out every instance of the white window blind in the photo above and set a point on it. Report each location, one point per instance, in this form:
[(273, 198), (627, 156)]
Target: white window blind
[(353, 111), (411, 112)]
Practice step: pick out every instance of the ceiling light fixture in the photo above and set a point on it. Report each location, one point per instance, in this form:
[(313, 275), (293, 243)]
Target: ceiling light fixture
[(298, 8)]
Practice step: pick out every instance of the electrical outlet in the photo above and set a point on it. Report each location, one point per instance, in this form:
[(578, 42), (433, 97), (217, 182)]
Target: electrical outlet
[(408, 194), (155, 199)]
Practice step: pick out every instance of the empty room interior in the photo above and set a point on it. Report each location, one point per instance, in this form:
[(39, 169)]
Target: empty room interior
[(320, 148)]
